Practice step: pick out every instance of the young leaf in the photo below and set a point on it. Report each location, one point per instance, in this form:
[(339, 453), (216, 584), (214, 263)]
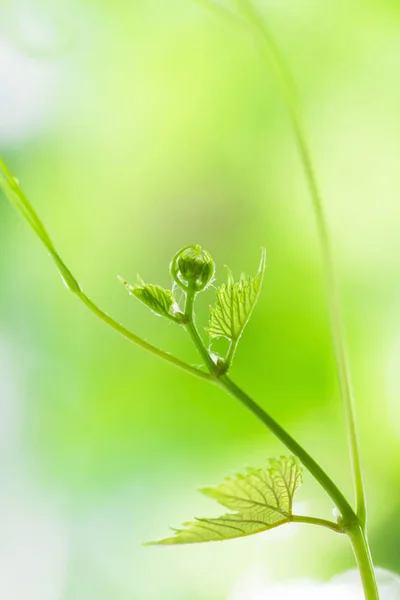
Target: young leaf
[(262, 499), (159, 300), (235, 303)]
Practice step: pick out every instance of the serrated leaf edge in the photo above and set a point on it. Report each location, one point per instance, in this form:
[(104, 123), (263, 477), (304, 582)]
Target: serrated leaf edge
[(231, 282), (287, 516)]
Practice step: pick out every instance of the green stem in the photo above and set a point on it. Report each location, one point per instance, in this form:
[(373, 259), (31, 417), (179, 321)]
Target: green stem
[(139, 341), (225, 382), (191, 328), (231, 354), (364, 561), (293, 446), (198, 342), (319, 522), (350, 523), (18, 199), (271, 53)]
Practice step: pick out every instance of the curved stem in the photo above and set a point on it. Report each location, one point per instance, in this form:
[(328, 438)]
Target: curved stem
[(305, 458), (272, 55), (139, 341), (319, 522), (350, 523), (225, 382), (17, 198)]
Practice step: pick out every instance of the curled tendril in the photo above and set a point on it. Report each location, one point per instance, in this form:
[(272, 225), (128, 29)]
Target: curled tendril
[(192, 268)]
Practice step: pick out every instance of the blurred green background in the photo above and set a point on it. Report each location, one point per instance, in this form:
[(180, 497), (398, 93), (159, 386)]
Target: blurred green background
[(136, 128)]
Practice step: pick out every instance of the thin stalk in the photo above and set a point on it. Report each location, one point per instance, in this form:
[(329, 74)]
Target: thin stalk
[(319, 522), (139, 341), (364, 561), (191, 328), (198, 342), (271, 53), (17, 198), (231, 354)]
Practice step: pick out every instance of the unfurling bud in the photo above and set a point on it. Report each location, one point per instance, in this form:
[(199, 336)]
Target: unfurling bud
[(192, 268)]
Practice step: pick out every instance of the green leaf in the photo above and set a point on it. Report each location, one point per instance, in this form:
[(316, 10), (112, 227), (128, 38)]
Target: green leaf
[(235, 303), (262, 499), (159, 300)]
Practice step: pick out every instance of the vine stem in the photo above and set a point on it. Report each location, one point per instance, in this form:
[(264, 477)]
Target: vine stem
[(17, 198), (293, 446), (222, 380), (349, 522), (354, 524), (272, 56), (362, 553), (270, 51)]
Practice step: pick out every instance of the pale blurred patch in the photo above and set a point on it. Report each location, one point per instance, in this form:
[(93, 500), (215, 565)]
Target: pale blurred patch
[(28, 88), (347, 586), (37, 39), (34, 539)]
